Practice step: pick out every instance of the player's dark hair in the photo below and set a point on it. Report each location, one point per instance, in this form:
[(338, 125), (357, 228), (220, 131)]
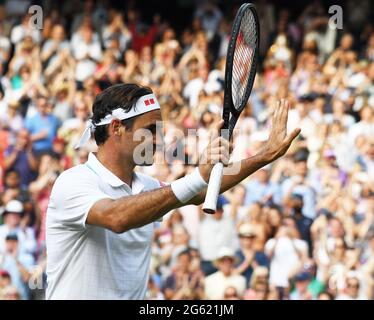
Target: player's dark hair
[(119, 95)]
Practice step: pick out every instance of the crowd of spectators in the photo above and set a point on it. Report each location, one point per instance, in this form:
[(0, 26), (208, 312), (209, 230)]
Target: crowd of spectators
[(300, 228)]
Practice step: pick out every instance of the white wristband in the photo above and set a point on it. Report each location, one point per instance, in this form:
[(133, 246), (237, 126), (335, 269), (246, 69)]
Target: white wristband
[(189, 186)]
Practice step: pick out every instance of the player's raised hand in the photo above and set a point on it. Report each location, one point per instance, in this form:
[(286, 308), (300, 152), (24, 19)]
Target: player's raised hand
[(279, 141)]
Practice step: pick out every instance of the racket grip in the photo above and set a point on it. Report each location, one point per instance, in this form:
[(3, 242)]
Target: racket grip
[(214, 186)]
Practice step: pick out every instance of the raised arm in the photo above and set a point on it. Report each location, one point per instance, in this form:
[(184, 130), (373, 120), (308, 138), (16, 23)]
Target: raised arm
[(135, 211)]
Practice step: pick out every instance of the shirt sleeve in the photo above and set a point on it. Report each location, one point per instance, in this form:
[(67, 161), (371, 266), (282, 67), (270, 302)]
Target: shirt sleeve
[(72, 197)]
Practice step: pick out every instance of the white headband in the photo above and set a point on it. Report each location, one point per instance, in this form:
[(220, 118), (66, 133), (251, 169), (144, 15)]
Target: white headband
[(144, 104)]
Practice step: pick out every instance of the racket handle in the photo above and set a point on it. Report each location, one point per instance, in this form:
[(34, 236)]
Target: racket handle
[(214, 186)]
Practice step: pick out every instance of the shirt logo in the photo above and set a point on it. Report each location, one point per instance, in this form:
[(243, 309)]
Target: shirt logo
[(149, 102)]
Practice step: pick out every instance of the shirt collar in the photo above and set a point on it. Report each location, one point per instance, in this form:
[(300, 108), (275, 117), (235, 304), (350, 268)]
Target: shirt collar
[(109, 177)]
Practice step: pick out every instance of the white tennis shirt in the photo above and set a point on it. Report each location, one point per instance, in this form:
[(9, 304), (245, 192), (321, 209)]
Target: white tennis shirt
[(89, 262)]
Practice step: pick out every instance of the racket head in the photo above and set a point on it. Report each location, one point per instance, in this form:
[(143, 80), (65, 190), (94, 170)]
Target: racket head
[(241, 64)]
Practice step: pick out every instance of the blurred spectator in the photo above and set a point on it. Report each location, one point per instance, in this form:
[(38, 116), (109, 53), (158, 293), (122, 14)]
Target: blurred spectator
[(42, 127), (182, 283), (20, 157), (86, 50), (217, 283), (261, 189), (301, 292), (24, 29), (215, 232), (17, 264), (298, 184), (352, 290), (258, 285), (287, 253), (13, 224), (5, 281), (249, 258)]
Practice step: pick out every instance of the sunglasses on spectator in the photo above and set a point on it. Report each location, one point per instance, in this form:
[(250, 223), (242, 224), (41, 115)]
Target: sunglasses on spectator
[(353, 285)]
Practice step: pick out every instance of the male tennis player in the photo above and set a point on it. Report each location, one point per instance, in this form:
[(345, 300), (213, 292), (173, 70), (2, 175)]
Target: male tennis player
[(101, 214)]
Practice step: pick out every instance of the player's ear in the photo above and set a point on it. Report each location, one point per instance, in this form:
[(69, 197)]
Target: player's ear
[(115, 127)]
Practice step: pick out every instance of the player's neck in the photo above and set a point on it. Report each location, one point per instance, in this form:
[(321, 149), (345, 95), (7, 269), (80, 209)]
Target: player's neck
[(121, 168)]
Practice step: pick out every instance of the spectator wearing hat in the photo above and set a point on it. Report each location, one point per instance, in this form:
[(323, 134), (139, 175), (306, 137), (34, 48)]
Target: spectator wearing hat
[(249, 257), (18, 264), (12, 223), (215, 231), (218, 282), (302, 291), (21, 157)]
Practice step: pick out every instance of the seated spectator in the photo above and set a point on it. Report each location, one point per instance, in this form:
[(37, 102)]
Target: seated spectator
[(87, 51), (302, 292), (249, 257), (183, 283), (11, 293), (12, 216), (42, 127), (12, 120), (13, 190), (231, 294), (325, 296), (153, 291), (19, 32), (259, 285), (299, 184), (54, 45), (5, 281), (352, 290), (18, 264), (261, 189), (218, 282), (260, 291), (21, 158), (287, 253), (215, 231)]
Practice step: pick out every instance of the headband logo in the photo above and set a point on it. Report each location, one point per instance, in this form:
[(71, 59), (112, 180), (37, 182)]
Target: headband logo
[(149, 102)]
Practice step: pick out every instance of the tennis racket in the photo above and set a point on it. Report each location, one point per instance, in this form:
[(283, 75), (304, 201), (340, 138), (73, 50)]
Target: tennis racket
[(240, 72)]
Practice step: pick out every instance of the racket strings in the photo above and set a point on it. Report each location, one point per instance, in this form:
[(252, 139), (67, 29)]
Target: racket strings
[(245, 47)]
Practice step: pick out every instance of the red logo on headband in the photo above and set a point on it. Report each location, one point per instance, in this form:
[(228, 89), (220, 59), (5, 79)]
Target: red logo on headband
[(149, 102)]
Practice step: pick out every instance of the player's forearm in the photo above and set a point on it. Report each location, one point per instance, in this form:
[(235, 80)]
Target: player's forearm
[(138, 210)]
